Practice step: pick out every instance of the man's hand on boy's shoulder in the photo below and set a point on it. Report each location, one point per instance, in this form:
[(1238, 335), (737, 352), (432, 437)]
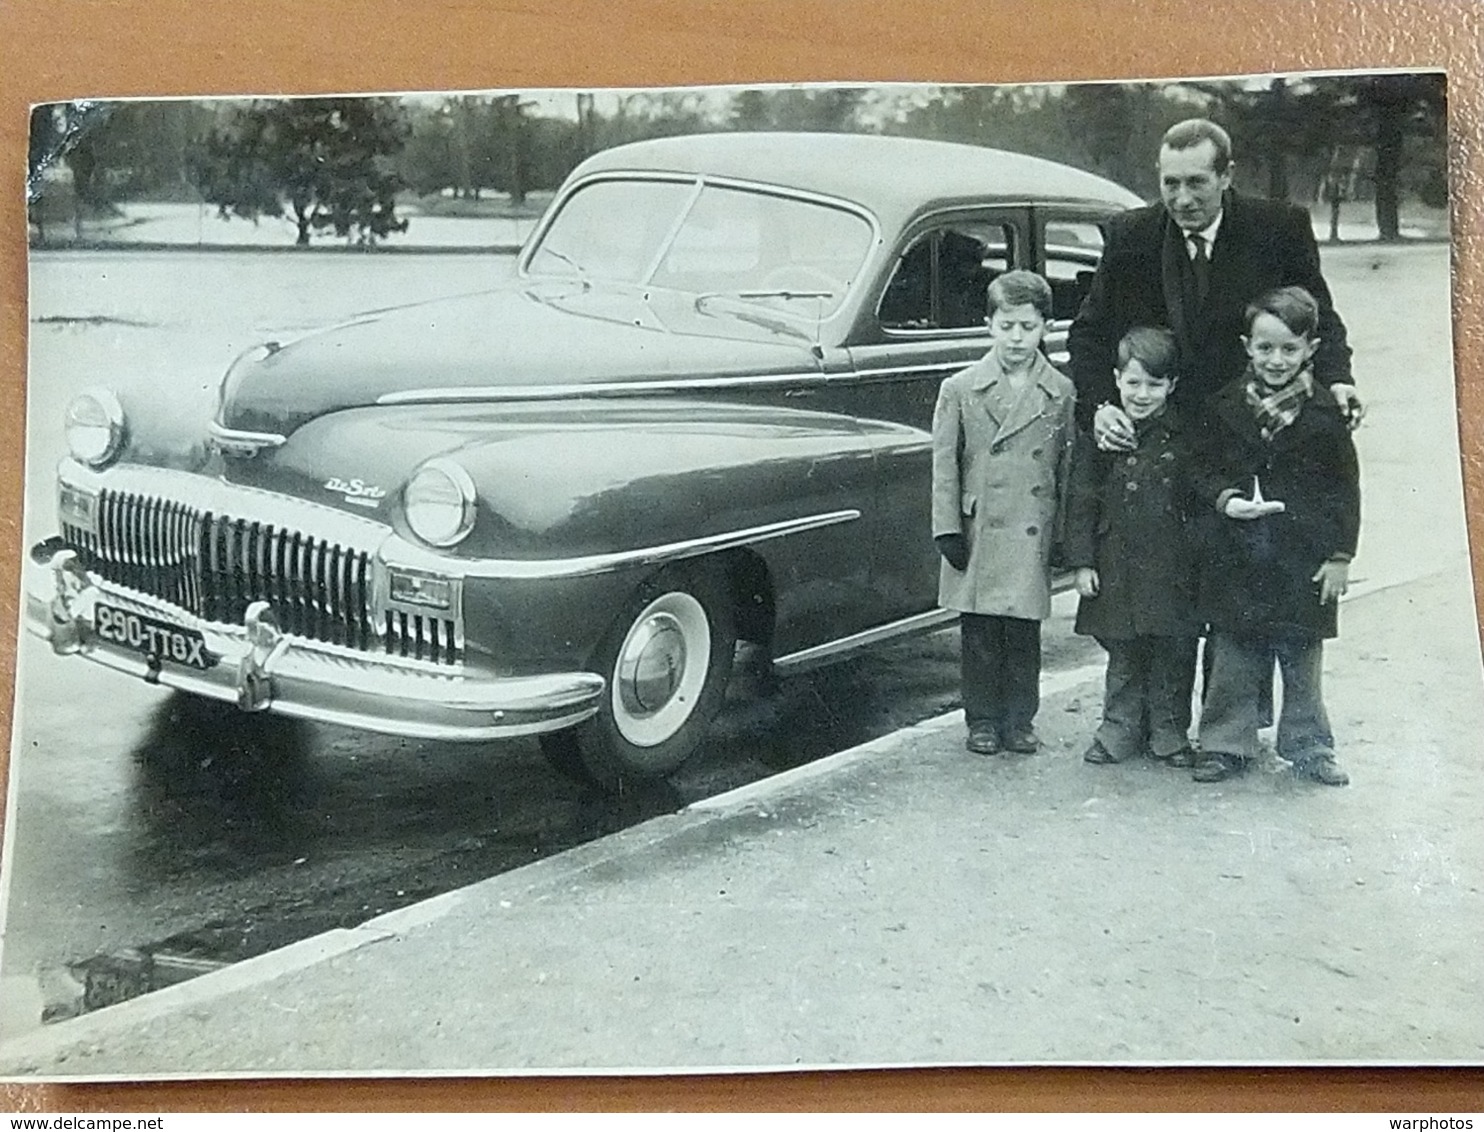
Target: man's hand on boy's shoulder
[(1347, 397), (1112, 431)]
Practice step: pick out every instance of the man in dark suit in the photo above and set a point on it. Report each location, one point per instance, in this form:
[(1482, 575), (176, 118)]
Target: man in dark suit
[(1192, 263)]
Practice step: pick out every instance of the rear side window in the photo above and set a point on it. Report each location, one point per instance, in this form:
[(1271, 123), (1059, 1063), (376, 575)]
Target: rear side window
[(1073, 249), (939, 283)]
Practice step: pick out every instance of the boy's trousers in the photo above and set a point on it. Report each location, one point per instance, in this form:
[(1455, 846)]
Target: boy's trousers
[(1000, 671), (1146, 696), (1229, 714), (1264, 687)]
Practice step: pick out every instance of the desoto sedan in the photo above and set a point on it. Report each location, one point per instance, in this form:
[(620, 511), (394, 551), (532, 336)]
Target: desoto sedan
[(699, 414)]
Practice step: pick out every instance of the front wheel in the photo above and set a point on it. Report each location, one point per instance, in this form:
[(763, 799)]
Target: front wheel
[(666, 661)]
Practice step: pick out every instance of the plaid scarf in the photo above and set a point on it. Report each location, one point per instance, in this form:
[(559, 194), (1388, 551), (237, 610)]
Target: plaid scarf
[(1276, 409)]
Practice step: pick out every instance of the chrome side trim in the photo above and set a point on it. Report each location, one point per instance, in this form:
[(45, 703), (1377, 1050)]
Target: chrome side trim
[(806, 659), (881, 373), (951, 333), (398, 552), (456, 394), (241, 442)]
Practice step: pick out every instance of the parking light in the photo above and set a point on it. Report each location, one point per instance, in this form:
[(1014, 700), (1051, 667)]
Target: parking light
[(409, 588), (77, 508)]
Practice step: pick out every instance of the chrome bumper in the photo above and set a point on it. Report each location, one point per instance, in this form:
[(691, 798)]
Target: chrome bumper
[(260, 668)]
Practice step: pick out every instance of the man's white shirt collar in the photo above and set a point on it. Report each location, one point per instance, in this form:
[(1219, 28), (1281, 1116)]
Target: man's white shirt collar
[(1208, 233)]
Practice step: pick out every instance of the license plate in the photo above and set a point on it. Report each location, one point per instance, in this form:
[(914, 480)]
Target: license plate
[(155, 639)]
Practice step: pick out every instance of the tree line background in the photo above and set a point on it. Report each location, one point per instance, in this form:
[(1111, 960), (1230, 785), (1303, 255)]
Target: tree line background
[(359, 168)]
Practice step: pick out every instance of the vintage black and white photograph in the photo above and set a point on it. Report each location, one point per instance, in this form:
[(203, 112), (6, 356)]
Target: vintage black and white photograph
[(735, 578)]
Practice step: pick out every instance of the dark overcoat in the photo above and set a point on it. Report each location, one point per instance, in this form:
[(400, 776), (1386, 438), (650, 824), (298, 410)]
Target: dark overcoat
[(1140, 282), (1256, 577), (999, 481), (1128, 517)]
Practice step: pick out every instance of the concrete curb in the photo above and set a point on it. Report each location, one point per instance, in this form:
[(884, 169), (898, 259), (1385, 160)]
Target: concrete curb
[(790, 781)]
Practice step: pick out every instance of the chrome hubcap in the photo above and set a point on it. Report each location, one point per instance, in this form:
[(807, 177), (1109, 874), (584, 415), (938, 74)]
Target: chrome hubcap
[(661, 669), (654, 673)]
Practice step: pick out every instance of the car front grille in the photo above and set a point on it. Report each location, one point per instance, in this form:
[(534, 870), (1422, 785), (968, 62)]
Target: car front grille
[(214, 566)]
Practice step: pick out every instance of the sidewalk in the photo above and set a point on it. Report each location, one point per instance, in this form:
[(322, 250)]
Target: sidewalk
[(909, 903)]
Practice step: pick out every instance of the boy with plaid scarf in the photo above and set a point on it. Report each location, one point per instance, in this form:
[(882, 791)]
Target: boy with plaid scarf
[(1280, 474)]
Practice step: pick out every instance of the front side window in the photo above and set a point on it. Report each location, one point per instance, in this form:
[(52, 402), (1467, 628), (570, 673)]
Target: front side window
[(611, 230), (940, 281)]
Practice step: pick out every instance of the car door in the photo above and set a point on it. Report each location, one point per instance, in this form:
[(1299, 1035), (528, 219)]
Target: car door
[(1069, 243), (926, 321)]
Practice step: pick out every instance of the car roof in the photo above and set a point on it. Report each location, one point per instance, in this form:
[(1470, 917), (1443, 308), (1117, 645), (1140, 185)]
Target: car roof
[(894, 177)]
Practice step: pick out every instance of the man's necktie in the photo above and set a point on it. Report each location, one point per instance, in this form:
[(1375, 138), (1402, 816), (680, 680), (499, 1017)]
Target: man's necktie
[(1200, 265)]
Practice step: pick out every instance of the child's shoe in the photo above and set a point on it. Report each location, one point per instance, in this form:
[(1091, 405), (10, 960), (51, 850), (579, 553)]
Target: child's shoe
[(1098, 754), (1183, 759), (1023, 742), (983, 741), (1323, 769), (1217, 768)]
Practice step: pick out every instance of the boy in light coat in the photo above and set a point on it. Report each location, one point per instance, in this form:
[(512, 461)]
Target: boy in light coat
[(1002, 444)]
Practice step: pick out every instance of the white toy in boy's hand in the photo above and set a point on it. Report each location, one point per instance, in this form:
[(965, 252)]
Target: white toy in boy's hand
[(1239, 508), (1255, 508), (1088, 582)]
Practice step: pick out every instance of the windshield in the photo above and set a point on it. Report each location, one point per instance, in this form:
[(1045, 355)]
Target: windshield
[(795, 255)]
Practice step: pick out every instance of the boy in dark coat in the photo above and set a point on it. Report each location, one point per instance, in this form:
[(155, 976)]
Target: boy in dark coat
[(1280, 473), (1127, 537)]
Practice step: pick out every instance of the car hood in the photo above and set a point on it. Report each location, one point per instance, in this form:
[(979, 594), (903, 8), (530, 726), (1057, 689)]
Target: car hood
[(524, 338)]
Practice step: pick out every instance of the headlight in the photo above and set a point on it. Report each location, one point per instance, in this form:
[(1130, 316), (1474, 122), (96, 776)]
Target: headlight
[(439, 502), (95, 427)]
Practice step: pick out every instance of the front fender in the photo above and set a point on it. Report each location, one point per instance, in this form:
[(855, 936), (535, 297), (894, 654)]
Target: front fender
[(579, 504), (670, 476), (580, 500), (588, 476)]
